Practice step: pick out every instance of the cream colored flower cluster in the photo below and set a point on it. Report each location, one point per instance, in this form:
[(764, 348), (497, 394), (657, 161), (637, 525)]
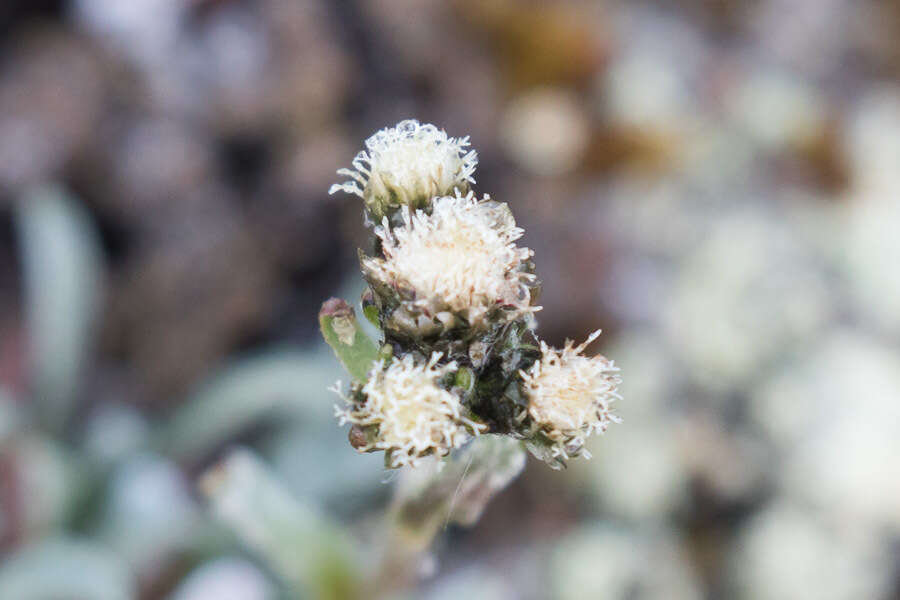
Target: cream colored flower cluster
[(454, 296)]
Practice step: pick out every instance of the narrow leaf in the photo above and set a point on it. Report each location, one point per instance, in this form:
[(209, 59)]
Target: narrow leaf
[(62, 268), (345, 336), (313, 555)]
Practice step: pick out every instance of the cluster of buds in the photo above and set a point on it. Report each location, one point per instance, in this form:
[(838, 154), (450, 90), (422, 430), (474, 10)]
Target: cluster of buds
[(454, 298)]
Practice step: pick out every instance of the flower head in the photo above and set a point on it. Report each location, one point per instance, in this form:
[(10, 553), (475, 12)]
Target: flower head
[(569, 395), (460, 261), (412, 415), (408, 165)]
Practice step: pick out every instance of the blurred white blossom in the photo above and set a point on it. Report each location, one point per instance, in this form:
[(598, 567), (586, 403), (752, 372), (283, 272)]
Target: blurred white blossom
[(546, 131), (750, 291), (785, 552), (606, 562), (834, 418)]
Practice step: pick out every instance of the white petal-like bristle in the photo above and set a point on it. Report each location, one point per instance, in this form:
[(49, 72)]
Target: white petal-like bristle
[(415, 417), (409, 163), (569, 395), (463, 254)]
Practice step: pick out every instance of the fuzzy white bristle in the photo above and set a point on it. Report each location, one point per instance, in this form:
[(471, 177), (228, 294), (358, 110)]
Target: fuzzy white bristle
[(412, 162), (569, 395), (414, 415), (463, 253)]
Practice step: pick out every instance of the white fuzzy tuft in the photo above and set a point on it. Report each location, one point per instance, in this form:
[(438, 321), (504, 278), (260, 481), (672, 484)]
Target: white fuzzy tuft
[(410, 162), (569, 395), (414, 415), (463, 255)]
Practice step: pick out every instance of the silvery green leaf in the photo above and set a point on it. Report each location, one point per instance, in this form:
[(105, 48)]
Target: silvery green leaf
[(10, 415), (149, 513), (113, 432), (317, 462), (311, 554), (61, 264), (65, 568), (46, 480), (274, 385)]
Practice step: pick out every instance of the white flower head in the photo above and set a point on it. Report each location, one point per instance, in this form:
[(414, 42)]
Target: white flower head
[(415, 417), (408, 165), (459, 260), (569, 395)]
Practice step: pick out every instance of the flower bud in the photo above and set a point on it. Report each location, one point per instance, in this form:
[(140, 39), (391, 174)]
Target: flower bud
[(455, 268), (569, 396), (407, 413), (408, 165)]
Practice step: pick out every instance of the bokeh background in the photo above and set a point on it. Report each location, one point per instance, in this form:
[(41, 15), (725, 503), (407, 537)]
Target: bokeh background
[(715, 183)]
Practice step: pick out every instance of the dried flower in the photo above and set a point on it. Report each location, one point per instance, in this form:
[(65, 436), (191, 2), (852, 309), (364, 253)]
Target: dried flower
[(410, 414), (569, 395), (458, 264), (408, 165)]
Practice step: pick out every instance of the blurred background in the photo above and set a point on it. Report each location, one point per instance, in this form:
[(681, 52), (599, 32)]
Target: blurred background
[(714, 183)]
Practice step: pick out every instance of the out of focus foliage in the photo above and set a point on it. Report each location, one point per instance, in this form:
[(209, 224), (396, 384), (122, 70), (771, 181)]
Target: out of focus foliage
[(716, 184)]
